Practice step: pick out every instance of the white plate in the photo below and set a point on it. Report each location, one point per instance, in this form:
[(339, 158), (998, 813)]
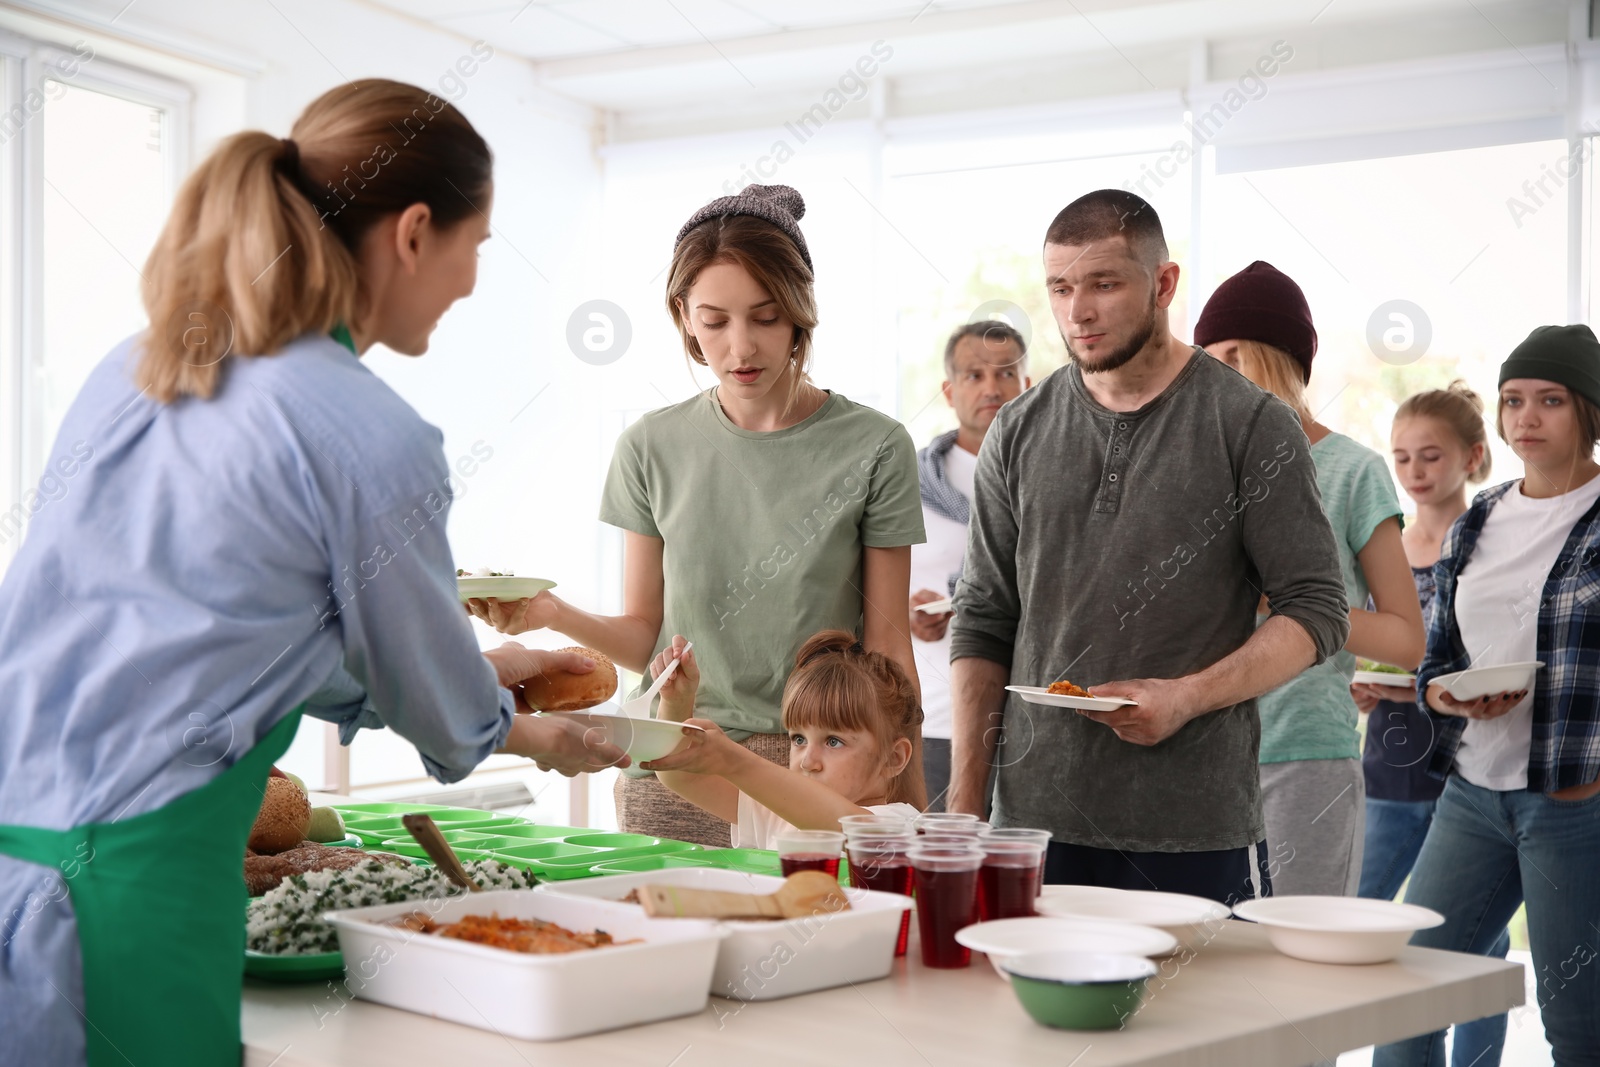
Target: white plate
[(538, 998), (1034, 694), (643, 739), (1383, 678), (1001, 939), (505, 587), (1080, 968), (1338, 929), (1487, 681), (936, 607), (1192, 920), (762, 959)]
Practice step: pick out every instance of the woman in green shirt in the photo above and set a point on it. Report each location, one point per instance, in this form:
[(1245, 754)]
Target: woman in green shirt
[(755, 514), (1312, 792)]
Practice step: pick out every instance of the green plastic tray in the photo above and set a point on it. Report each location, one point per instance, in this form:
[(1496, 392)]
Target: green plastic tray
[(562, 867), (647, 863), (386, 827), (314, 968), (385, 807), (750, 860), (522, 831)]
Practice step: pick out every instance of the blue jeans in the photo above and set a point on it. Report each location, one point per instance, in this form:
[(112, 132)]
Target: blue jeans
[(1486, 853), (1395, 832)]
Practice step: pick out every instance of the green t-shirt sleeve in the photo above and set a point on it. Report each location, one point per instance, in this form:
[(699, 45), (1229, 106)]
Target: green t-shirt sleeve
[(893, 514), (1371, 500), (625, 502)]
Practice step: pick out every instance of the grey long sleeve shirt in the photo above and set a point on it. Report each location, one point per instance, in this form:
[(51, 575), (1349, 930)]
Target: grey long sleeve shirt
[(1117, 545)]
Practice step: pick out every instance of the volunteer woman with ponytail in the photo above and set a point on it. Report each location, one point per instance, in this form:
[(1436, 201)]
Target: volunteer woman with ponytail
[(255, 529)]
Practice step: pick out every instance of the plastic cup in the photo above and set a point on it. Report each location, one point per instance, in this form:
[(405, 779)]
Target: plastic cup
[(861, 822), (946, 820), (882, 864), (810, 850), (946, 882), (1008, 884), (1019, 833)]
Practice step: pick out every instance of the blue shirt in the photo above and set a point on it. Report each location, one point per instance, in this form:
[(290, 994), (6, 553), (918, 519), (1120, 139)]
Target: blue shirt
[(191, 573), (1565, 750)]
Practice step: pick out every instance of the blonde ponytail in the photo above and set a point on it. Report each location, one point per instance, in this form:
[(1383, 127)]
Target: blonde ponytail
[(261, 244)]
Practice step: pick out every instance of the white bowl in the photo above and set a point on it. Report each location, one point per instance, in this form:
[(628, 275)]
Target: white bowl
[(1079, 968), (643, 739), (1338, 929), (534, 997), (1488, 681), (1192, 920), (1001, 939), (762, 959)]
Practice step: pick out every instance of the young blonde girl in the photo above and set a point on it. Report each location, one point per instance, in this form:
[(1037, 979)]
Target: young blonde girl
[(852, 717)]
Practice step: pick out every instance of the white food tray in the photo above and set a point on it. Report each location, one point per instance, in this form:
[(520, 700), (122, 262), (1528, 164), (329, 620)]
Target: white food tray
[(535, 997), (764, 959)]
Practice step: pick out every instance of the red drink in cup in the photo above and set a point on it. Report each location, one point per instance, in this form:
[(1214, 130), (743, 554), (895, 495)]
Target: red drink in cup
[(810, 861), (946, 880), (1009, 881), (881, 864), (1013, 833), (810, 850)]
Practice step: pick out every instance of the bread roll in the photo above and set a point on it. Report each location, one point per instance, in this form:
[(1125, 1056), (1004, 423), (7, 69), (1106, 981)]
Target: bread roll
[(563, 691)]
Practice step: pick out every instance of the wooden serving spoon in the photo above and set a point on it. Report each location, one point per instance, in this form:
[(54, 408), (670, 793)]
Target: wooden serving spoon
[(426, 831), (801, 896)]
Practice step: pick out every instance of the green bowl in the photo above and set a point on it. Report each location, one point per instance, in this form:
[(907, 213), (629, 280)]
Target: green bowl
[(1079, 990)]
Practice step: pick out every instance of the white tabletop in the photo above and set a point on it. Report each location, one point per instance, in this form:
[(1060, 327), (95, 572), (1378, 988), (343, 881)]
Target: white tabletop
[(1238, 1002)]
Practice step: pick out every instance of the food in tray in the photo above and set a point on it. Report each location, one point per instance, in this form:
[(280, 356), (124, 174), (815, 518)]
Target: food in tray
[(1381, 668), (287, 921), (483, 572), (560, 691), (284, 818), (266, 872), (326, 825), (1065, 688), (533, 936)]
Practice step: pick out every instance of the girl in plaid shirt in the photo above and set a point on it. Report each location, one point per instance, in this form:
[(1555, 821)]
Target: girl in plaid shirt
[(1518, 579)]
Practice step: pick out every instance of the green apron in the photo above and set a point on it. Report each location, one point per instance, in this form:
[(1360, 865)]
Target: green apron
[(160, 903)]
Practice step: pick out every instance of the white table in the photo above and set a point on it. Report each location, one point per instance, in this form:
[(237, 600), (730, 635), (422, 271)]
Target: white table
[(1239, 1003)]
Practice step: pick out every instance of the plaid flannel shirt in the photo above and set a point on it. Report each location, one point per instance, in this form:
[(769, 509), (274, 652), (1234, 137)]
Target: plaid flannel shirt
[(1565, 750)]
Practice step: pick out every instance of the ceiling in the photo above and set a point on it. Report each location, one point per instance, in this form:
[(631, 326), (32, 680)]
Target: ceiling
[(675, 67)]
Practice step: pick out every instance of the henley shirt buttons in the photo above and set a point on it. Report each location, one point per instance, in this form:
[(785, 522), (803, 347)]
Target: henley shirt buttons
[(1113, 477)]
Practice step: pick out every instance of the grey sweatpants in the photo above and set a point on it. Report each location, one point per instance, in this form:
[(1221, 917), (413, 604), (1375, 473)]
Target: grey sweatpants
[(1316, 822)]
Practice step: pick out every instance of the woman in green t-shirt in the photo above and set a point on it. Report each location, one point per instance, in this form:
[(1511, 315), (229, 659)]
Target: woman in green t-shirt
[(755, 514), (1312, 793)]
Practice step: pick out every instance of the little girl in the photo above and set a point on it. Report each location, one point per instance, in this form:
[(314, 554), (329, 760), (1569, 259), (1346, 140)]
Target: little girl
[(852, 717)]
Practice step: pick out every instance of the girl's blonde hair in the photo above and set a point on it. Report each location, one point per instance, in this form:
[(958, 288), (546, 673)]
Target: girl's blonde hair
[(768, 255), (839, 685), (1460, 409), (1277, 372), (261, 244)]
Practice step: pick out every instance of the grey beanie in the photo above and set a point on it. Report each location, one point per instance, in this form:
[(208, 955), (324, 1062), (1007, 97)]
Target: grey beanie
[(1566, 355), (778, 204)]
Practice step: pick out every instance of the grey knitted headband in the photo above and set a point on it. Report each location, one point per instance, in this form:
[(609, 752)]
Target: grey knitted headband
[(778, 204)]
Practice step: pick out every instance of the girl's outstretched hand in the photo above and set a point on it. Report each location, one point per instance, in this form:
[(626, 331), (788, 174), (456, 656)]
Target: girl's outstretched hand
[(677, 696), (711, 752)]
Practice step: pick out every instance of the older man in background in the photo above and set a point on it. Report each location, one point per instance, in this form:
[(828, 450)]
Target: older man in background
[(985, 365)]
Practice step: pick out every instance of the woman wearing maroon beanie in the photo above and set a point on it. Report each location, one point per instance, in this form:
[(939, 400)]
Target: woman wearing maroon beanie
[(1312, 795)]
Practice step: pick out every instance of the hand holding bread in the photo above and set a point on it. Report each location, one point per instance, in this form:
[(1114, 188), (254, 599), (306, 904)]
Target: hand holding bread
[(568, 679)]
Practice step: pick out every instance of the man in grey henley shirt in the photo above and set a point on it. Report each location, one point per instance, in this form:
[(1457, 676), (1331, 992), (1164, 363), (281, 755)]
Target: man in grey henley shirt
[(1130, 514)]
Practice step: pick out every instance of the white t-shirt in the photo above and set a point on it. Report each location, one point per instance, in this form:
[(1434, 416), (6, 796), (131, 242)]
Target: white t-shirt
[(1497, 610), (759, 826), (932, 563)]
